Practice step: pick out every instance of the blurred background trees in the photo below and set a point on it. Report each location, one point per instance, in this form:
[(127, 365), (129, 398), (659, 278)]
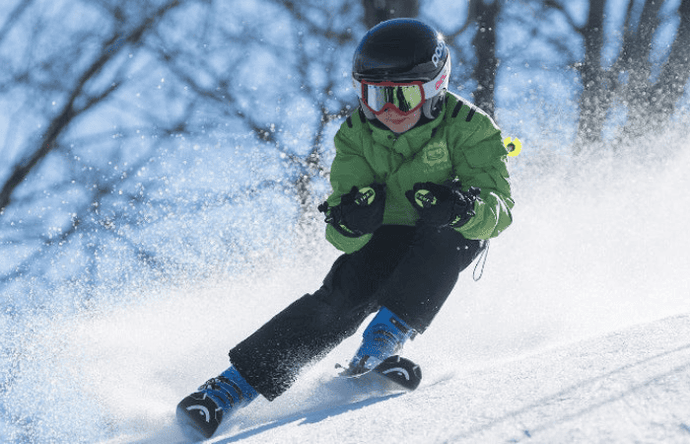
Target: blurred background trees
[(636, 63), (165, 139)]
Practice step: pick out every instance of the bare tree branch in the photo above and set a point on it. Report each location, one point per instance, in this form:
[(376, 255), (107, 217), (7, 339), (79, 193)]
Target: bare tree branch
[(70, 111), (14, 15)]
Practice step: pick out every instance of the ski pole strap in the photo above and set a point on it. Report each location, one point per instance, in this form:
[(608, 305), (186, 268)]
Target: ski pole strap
[(483, 254)]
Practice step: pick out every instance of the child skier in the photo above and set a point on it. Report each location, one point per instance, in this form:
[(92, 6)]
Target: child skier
[(419, 184)]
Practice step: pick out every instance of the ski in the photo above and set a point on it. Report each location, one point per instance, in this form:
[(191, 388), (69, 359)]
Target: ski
[(393, 374), (198, 416)]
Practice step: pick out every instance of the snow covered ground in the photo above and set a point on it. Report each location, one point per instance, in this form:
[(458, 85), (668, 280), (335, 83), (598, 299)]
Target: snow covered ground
[(630, 385), (579, 332)]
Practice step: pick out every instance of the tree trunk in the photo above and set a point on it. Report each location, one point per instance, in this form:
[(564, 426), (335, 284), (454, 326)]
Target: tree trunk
[(596, 89), (484, 43), (634, 59)]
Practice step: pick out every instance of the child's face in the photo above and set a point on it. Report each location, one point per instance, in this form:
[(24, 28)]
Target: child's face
[(397, 122)]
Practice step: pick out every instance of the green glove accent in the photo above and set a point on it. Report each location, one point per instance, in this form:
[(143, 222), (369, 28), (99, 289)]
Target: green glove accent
[(360, 211), (443, 205)]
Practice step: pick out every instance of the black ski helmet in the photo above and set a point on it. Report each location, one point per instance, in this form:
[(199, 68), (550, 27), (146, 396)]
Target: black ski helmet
[(403, 50)]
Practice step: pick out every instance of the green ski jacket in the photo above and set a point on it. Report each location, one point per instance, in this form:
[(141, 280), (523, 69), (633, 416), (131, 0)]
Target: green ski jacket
[(462, 142)]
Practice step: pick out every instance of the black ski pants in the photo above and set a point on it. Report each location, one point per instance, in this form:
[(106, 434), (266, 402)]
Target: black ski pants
[(409, 270)]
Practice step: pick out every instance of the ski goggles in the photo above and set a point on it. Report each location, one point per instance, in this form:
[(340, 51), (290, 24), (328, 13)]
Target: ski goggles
[(403, 97)]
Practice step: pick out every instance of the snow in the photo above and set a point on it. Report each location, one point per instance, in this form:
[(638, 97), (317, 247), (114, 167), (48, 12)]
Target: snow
[(579, 332), (632, 385)]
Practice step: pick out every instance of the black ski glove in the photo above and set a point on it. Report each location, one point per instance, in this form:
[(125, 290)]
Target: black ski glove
[(443, 205), (360, 211)]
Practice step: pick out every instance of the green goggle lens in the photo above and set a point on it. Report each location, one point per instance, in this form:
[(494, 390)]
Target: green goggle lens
[(406, 98)]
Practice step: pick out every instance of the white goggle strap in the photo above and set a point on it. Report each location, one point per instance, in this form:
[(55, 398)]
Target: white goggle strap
[(358, 87), (433, 88)]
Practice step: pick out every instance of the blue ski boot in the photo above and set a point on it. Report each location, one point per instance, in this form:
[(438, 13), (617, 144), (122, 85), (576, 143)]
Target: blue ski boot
[(201, 413), (384, 337)]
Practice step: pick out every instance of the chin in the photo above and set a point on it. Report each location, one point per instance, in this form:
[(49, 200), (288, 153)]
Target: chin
[(399, 128), (401, 125)]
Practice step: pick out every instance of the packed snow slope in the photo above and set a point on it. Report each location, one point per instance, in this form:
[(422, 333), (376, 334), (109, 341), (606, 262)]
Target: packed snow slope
[(578, 332), (628, 386)]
